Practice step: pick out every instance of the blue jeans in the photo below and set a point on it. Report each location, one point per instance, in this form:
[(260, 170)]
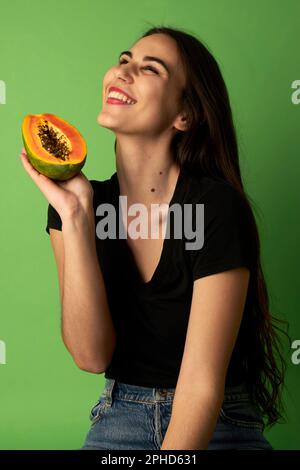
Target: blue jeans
[(129, 417)]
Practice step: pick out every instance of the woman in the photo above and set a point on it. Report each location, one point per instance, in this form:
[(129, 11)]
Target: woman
[(185, 336)]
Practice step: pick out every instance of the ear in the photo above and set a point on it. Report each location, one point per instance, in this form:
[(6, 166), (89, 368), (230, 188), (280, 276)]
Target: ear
[(181, 123)]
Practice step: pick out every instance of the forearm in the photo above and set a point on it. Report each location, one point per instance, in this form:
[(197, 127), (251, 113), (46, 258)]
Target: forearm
[(193, 420), (87, 326)]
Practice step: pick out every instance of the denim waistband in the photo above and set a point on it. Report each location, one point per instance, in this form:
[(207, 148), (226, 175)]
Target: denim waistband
[(148, 394)]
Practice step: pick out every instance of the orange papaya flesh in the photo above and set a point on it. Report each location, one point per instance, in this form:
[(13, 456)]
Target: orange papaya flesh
[(54, 147)]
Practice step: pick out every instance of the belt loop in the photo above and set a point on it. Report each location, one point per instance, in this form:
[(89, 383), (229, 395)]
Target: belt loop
[(236, 392), (108, 387)]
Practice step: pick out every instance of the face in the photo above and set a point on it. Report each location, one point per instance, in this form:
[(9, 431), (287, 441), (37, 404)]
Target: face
[(157, 91)]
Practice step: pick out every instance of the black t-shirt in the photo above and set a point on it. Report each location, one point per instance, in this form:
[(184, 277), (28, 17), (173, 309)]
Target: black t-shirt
[(151, 318)]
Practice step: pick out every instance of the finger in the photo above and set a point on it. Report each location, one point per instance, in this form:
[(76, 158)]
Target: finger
[(27, 165), (45, 184), (82, 175), (29, 168), (62, 184)]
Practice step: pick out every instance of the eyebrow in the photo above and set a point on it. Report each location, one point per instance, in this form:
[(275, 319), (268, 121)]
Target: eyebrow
[(148, 57)]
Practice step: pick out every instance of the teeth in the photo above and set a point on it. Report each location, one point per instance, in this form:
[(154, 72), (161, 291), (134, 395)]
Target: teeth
[(120, 96)]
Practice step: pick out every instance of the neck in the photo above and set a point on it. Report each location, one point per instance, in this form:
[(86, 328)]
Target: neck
[(148, 178)]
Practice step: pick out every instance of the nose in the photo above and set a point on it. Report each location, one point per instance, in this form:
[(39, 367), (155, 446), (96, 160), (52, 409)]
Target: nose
[(124, 77), (124, 73)]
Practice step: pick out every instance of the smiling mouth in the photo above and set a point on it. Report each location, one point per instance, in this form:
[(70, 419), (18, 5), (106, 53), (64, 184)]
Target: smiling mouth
[(115, 97), (112, 100)]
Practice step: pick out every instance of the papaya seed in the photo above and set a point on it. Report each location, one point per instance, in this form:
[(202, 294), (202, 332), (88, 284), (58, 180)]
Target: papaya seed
[(51, 141)]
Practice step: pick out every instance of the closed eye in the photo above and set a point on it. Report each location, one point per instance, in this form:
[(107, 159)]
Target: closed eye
[(121, 61)]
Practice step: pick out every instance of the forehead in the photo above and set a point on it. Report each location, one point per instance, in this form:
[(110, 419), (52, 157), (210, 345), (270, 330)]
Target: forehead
[(164, 47)]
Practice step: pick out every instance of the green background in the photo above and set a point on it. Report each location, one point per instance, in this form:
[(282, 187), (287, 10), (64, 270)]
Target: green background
[(53, 57)]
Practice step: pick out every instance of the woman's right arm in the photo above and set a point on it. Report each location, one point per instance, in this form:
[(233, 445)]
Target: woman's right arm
[(87, 327)]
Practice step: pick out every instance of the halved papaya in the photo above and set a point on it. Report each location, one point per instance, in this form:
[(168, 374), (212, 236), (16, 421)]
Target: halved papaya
[(54, 147)]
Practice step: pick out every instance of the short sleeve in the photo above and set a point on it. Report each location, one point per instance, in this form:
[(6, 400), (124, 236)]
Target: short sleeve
[(226, 242), (53, 219)]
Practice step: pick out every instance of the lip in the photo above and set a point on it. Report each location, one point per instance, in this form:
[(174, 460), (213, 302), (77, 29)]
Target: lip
[(119, 90), (117, 102)]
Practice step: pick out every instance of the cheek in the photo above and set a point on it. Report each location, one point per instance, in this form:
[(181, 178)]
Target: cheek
[(170, 106), (166, 106)]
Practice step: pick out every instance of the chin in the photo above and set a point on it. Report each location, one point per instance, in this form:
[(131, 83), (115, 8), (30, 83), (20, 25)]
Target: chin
[(105, 121), (101, 119)]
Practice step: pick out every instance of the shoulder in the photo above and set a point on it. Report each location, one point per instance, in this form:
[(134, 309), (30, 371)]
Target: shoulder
[(101, 185), (225, 212), (104, 190), (216, 195), (225, 227)]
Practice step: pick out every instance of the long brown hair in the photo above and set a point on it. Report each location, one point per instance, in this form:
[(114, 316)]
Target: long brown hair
[(209, 147)]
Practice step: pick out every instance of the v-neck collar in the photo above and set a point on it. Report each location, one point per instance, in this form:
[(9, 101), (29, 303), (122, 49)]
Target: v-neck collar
[(166, 243)]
